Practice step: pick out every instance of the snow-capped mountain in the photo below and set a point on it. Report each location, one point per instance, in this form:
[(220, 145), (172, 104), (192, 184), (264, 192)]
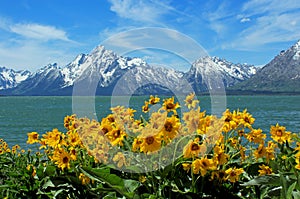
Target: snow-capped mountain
[(282, 74), (46, 80), (214, 67), (10, 78), (106, 72)]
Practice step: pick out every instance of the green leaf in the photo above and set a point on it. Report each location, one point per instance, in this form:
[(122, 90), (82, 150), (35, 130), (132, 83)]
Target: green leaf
[(275, 192), (284, 185), (111, 195), (264, 180), (290, 190), (296, 194), (50, 170), (124, 187), (49, 183)]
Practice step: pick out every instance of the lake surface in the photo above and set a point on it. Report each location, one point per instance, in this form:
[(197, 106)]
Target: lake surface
[(20, 115)]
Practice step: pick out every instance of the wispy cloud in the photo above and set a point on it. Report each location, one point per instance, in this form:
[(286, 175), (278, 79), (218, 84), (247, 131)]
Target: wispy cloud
[(31, 55), (254, 7), (159, 39), (218, 17), (273, 21), (30, 45), (39, 32), (140, 11)]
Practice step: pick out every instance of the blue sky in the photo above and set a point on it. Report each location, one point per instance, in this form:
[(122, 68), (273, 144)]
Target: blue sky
[(34, 33)]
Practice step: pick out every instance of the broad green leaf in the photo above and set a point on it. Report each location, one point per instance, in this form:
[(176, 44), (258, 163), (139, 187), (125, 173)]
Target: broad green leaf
[(296, 194), (50, 170), (264, 180), (111, 195), (275, 192), (124, 187), (49, 183), (290, 190)]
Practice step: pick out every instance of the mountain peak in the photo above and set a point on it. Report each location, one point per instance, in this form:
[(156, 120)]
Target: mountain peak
[(296, 49), (10, 78)]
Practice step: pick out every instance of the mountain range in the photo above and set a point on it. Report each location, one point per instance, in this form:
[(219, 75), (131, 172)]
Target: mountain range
[(280, 75), (103, 72)]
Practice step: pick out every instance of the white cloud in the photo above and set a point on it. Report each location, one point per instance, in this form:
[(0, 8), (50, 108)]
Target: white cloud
[(34, 46), (140, 11), (40, 32), (245, 19), (254, 7), (218, 18), (272, 21), (155, 38), (31, 55)]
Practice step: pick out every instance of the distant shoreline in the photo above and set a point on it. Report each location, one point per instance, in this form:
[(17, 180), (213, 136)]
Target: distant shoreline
[(227, 92)]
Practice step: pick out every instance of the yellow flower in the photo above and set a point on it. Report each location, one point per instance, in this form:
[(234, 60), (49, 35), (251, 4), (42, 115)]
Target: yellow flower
[(116, 137), (256, 136), (73, 153), (246, 119), (264, 170), (84, 179), (33, 137), (190, 101), (191, 120), (108, 119), (69, 122), (154, 100), (219, 175), (270, 151), (157, 121), (230, 121), (298, 146), (186, 166), (279, 134), (142, 179), (170, 128), (232, 174), (298, 163), (120, 159), (242, 153), (193, 149), (169, 105), (202, 165), (260, 151), (32, 168), (220, 156), (146, 108), (52, 138), (150, 142), (136, 144), (105, 127), (233, 142), (73, 139), (61, 158)]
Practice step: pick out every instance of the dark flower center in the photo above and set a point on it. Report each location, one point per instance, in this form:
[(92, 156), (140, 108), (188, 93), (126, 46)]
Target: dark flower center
[(149, 140), (65, 160), (170, 106), (195, 147), (168, 126)]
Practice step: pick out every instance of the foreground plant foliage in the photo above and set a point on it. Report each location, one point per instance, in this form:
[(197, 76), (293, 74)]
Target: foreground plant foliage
[(174, 151)]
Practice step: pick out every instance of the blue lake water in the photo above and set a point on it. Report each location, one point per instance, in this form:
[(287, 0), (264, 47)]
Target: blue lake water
[(20, 115)]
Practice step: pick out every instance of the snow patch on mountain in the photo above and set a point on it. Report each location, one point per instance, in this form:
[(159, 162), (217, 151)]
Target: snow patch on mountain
[(296, 49), (10, 78)]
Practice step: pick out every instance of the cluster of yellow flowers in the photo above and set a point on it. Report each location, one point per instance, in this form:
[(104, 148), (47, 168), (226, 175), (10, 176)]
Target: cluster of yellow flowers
[(61, 148), (214, 147), (4, 148)]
